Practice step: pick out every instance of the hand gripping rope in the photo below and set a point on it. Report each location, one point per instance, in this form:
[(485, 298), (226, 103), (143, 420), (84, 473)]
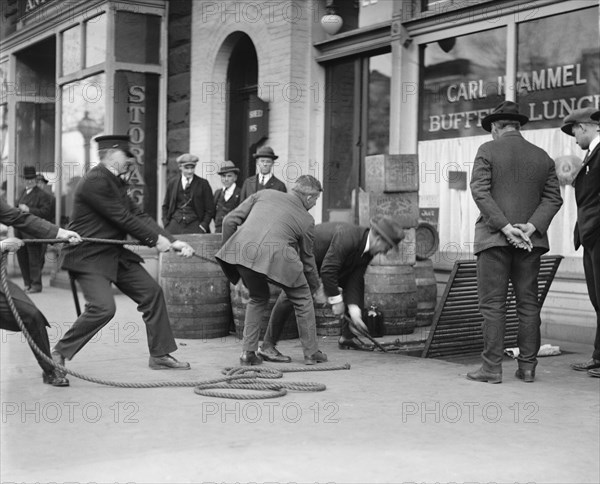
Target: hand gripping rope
[(236, 378)]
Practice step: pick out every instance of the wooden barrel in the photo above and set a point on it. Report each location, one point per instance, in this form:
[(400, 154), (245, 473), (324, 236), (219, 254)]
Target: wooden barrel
[(239, 300), (196, 290), (393, 290), (427, 240), (327, 323), (426, 292)]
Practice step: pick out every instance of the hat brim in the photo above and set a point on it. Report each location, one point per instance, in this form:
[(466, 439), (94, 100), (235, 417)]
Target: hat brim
[(567, 129), (595, 116), (486, 123), (228, 170), (273, 157)]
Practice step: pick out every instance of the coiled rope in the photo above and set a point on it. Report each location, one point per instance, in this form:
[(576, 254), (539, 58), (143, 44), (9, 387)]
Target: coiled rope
[(242, 378)]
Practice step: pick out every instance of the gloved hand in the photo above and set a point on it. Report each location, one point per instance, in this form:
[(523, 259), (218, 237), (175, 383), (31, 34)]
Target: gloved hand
[(11, 244), (183, 248), (338, 308)]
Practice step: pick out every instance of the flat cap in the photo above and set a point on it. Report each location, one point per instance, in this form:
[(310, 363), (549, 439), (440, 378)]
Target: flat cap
[(187, 159), (577, 116)]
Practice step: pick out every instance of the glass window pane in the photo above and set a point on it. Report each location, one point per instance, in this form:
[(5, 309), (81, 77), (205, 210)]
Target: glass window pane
[(95, 40), (137, 38), (378, 124), (71, 50), (83, 111), (3, 81), (463, 78), (554, 76), (341, 174)]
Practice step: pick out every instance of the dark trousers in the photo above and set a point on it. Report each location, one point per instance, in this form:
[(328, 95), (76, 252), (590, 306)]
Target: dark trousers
[(591, 268), (35, 322), (300, 298), (495, 267), (175, 228), (134, 281), (31, 262), (279, 315)]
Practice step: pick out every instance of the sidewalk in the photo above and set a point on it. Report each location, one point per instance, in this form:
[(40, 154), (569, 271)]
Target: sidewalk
[(390, 418)]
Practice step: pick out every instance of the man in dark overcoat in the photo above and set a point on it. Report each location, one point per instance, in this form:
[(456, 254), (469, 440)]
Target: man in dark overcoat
[(265, 159), (102, 209), (31, 256), (269, 238), (228, 197), (34, 321), (188, 207), (342, 252), (583, 124), (515, 187)]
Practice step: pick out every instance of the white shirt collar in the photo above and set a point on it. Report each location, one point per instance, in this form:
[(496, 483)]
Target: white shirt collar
[(184, 180), (368, 244), (229, 191), (267, 177), (594, 143)]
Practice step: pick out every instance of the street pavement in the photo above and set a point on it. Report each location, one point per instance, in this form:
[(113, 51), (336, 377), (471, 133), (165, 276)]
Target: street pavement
[(389, 418)]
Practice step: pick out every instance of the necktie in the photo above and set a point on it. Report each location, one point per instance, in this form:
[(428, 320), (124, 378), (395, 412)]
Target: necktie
[(262, 179), (187, 183)]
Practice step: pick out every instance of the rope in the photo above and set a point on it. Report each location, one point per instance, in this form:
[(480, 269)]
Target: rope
[(235, 377)]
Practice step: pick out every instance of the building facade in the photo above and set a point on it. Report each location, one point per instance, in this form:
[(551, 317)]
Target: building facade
[(220, 78)]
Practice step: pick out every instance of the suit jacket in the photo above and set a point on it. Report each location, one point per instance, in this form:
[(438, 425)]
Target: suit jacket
[(271, 233), (233, 202), (202, 201), (250, 186), (513, 181), (26, 222), (39, 203), (102, 209), (339, 249), (587, 196)]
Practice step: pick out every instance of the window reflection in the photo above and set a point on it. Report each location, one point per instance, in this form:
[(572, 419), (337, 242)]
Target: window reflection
[(137, 38), (71, 50), (83, 112), (378, 125), (462, 79), (554, 77), (95, 40)]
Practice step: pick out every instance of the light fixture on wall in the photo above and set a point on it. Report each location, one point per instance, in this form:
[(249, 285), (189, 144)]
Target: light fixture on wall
[(331, 22), (88, 129)]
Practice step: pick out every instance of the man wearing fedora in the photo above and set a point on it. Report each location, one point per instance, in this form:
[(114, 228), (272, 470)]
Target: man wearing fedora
[(265, 158), (342, 252), (228, 197), (188, 207), (102, 209), (31, 256), (583, 125), (515, 187)]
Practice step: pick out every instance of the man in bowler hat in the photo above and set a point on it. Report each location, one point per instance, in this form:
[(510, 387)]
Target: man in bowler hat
[(583, 125), (102, 209), (265, 159), (342, 252), (188, 207), (515, 187), (228, 197), (31, 256)]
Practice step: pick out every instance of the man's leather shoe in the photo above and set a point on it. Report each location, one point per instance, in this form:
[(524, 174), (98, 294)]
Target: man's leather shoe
[(167, 362), (59, 360), (249, 358), (33, 290), (591, 364), (55, 379), (270, 353), (484, 376), (528, 376), (594, 372), (318, 357), (353, 343)]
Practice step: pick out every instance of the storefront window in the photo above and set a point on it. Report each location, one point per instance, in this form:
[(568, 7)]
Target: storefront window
[(463, 78), (95, 40), (137, 38), (71, 50), (554, 76), (83, 115), (378, 125)]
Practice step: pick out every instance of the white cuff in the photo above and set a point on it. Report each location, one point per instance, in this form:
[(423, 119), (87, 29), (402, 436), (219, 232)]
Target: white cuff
[(335, 299)]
